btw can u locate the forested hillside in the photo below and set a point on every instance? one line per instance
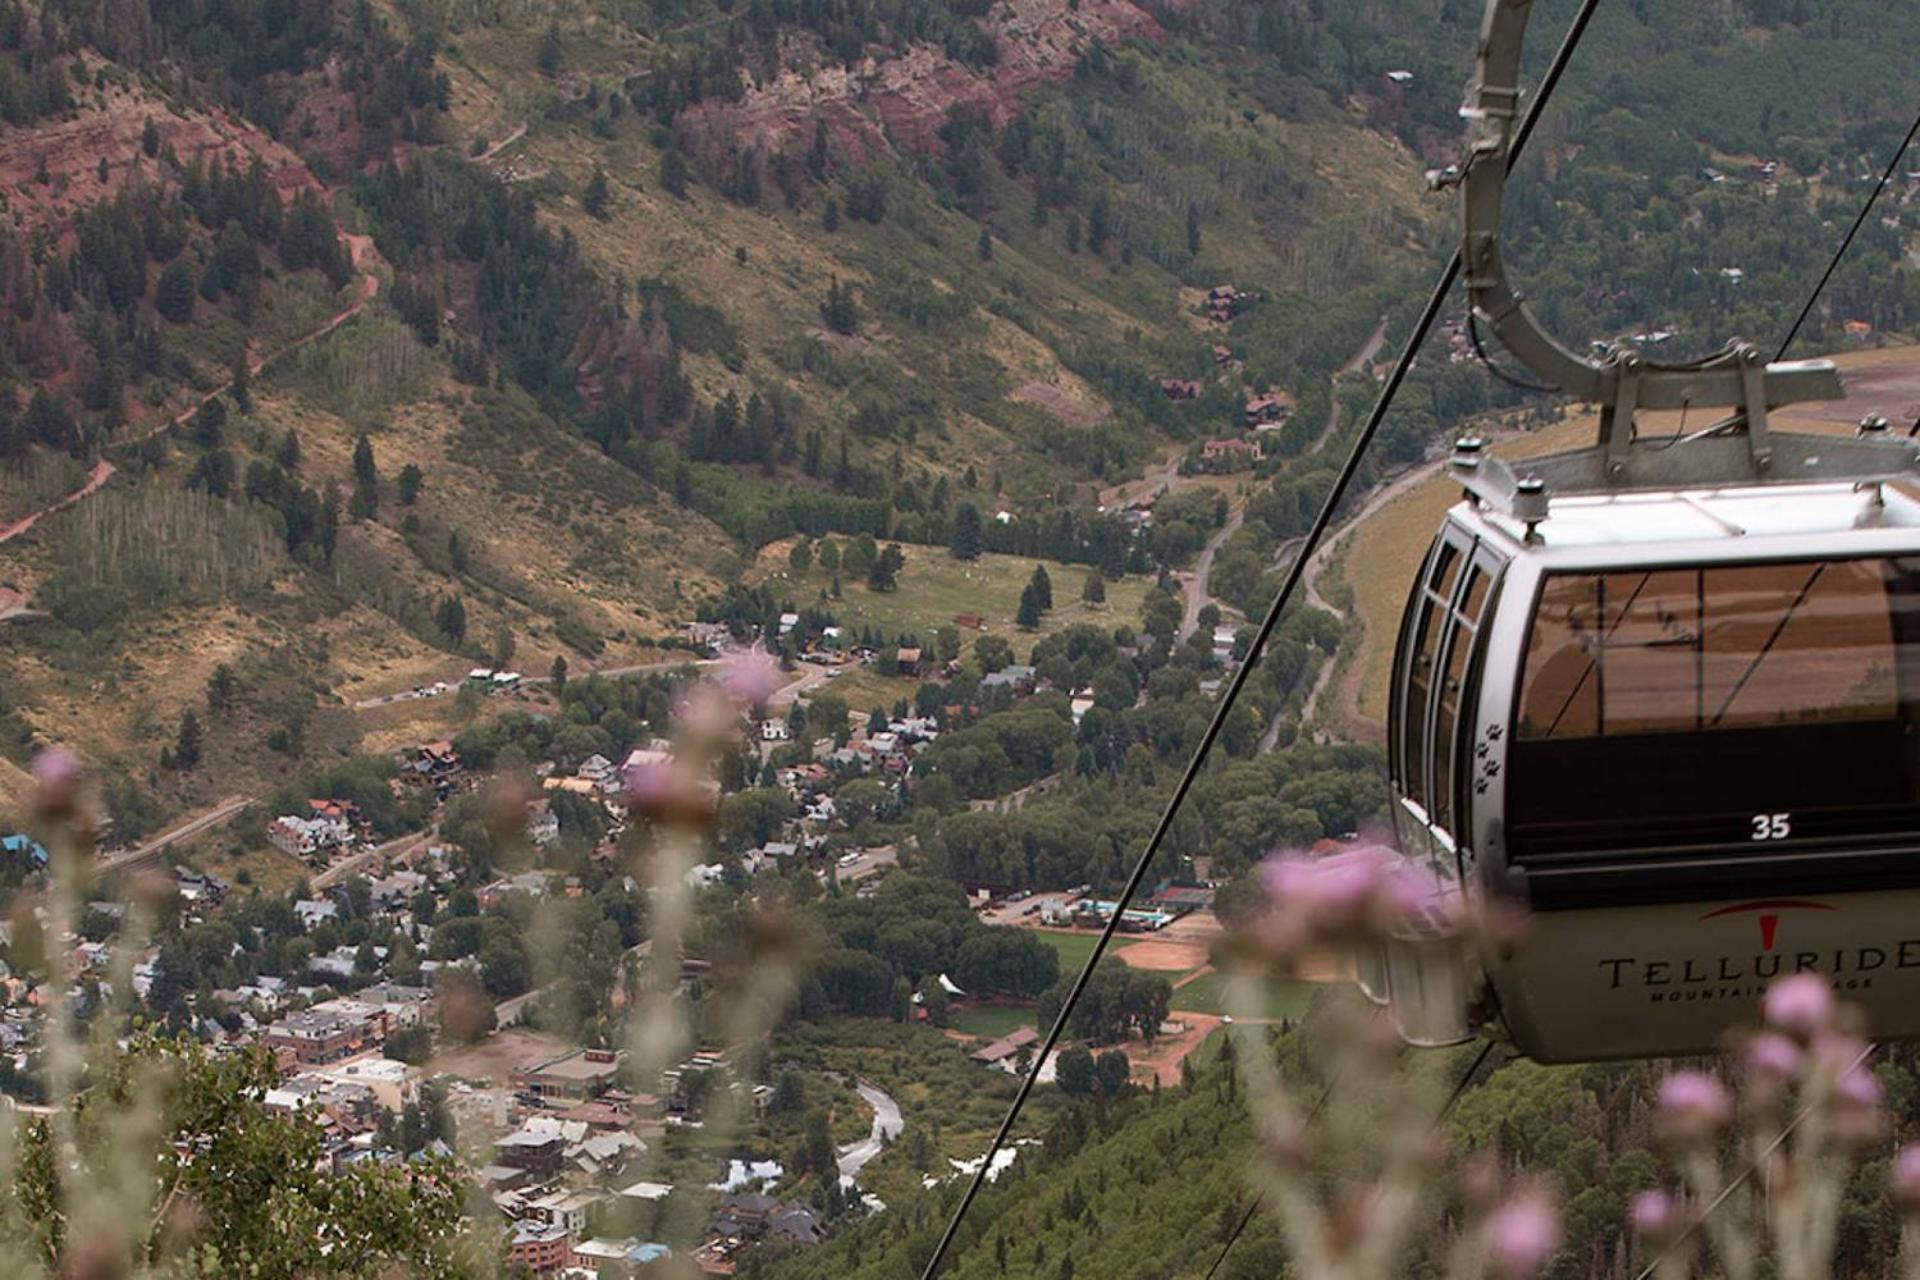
(393, 394)
(615, 299)
(1153, 1184)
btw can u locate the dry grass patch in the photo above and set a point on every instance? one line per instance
(934, 587)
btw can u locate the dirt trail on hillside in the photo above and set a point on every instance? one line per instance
(102, 471)
(361, 253)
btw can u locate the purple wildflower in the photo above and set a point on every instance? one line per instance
(1801, 1005)
(1694, 1105)
(1522, 1236)
(1905, 1178)
(1773, 1057)
(1651, 1214)
(751, 675)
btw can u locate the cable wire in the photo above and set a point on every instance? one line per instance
(1893, 163)
(1436, 301)
(1459, 1089)
(1480, 353)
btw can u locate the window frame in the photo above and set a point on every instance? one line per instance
(1432, 787)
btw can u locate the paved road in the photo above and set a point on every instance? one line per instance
(887, 1123)
(149, 852)
(868, 863)
(1198, 597)
(1310, 580)
(1359, 359)
(399, 849)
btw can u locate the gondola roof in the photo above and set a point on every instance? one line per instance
(1678, 522)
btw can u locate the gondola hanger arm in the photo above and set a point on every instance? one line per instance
(1724, 379)
(1621, 380)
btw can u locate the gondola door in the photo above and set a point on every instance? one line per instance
(1434, 680)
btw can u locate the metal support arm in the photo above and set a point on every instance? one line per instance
(1720, 380)
(1623, 382)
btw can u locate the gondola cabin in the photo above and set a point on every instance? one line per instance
(1679, 729)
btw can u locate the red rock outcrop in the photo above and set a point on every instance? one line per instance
(901, 100)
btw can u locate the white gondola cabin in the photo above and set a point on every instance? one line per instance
(1680, 730)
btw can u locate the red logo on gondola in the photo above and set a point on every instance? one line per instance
(1769, 913)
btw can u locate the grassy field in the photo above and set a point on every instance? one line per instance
(864, 688)
(1205, 994)
(934, 587)
(991, 1021)
(1074, 948)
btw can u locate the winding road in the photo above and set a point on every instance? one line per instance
(1310, 580)
(1197, 595)
(888, 1124)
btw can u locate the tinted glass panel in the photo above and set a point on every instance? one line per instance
(1431, 601)
(1677, 708)
(1676, 651)
(1446, 718)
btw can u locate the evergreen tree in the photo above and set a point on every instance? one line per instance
(673, 173)
(830, 216)
(451, 618)
(1042, 587)
(223, 688)
(410, 480)
(289, 454)
(551, 50)
(1099, 226)
(984, 245)
(1028, 615)
(800, 559)
(595, 198)
(558, 674)
(838, 309)
(240, 382)
(150, 138)
(187, 744)
(1095, 589)
(210, 424)
(885, 573)
(173, 296)
(818, 1146)
(966, 532)
(329, 523)
(366, 480)
(817, 153)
